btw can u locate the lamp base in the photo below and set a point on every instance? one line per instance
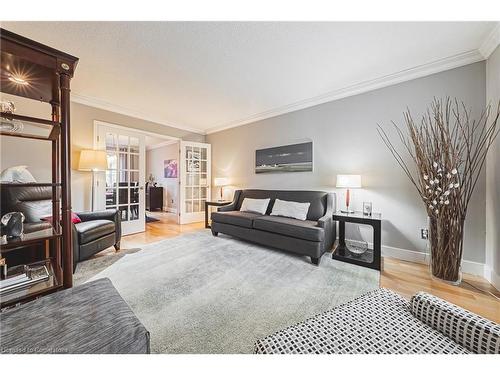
(347, 211)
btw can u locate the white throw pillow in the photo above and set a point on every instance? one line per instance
(255, 205)
(18, 174)
(295, 210)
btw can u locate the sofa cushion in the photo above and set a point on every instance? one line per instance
(303, 229)
(92, 230)
(239, 218)
(258, 206)
(295, 210)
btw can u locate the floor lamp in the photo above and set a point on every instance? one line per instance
(94, 161)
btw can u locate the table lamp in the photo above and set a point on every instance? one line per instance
(95, 161)
(348, 181)
(220, 181)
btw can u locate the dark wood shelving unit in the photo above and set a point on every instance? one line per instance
(52, 284)
(35, 71)
(30, 239)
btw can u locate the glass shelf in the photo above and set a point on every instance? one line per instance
(33, 290)
(47, 232)
(28, 127)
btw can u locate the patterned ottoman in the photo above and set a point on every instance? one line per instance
(381, 321)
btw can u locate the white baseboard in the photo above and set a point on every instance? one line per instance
(492, 276)
(408, 255)
(468, 266)
(170, 209)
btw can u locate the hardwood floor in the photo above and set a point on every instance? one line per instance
(405, 278)
(165, 227)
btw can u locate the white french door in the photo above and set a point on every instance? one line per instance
(122, 185)
(194, 190)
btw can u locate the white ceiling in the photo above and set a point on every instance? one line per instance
(206, 76)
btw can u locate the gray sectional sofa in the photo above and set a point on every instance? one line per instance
(310, 237)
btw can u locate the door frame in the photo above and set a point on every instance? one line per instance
(98, 123)
(183, 217)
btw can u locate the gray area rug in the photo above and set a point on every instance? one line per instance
(201, 294)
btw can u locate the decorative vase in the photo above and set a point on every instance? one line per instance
(12, 224)
(446, 236)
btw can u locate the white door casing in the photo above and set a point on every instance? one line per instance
(195, 180)
(122, 185)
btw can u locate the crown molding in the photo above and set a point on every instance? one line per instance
(161, 144)
(362, 87)
(487, 47)
(101, 104)
(491, 42)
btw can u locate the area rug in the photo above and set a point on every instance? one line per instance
(197, 293)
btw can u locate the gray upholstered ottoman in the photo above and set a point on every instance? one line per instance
(90, 318)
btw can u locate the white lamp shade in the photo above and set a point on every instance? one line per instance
(349, 181)
(93, 160)
(220, 181)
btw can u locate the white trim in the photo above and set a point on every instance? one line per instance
(492, 276)
(101, 104)
(172, 210)
(362, 87)
(473, 268)
(491, 42)
(468, 266)
(403, 254)
(128, 128)
(451, 62)
(161, 144)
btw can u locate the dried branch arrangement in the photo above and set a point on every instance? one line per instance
(448, 149)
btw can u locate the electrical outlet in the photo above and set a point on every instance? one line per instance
(424, 233)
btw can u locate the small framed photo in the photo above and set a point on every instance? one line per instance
(367, 208)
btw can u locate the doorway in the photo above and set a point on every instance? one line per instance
(195, 180)
(123, 185)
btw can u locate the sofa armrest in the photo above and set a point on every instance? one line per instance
(327, 223)
(325, 220)
(231, 206)
(475, 333)
(112, 215)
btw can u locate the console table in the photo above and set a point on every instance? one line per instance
(213, 203)
(372, 257)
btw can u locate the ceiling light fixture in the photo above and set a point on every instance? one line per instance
(18, 80)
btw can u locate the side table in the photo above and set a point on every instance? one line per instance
(372, 257)
(213, 203)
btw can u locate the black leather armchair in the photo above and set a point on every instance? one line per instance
(97, 231)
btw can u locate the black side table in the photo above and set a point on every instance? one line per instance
(213, 203)
(372, 257)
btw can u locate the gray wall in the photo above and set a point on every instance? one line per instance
(345, 141)
(493, 173)
(154, 165)
(36, 155)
